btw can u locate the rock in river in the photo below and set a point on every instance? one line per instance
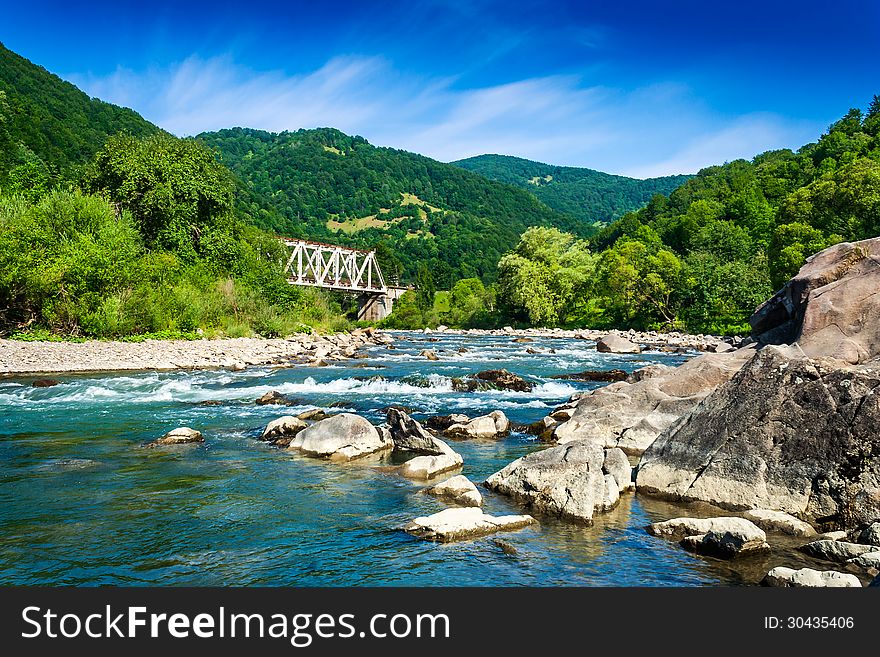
(567, 481)
(780, 522)
(723, 537)
(492, 380)
(411, 436)
(179, 436)
(463, 523)
(787, 433)
(836, 551)
(459, 489)
(494, 425)
(272, 397)
(342, 437)
(282, 430)
(428, 467)
(788, 577)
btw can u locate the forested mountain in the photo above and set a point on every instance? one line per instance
(48, 126)
(326, 185)
(705, 256)
(592, 196)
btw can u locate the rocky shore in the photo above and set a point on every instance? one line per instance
(233, 353)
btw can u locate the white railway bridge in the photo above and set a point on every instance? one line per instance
(343, 269)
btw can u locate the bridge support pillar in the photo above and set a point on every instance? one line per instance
(376, 307)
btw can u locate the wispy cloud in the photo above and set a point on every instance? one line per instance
(655, 130)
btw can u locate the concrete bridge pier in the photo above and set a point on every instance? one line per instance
(373, 307)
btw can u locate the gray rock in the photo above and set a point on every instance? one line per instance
(631, 414)
(615, 344)
(459, 489)
(680, 527)
(283, 429)
(807, 577)
(837, 551)
(428, 467)
(868, 561)
(179, 436)
(566, 481)
(617, 464)
(780, 522)
(463, 523)
(726, 544)
(787, 433)
(343, 437)
(494, 425)
(411, 436)
(870, 535)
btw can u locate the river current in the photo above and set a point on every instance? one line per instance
(82, 502)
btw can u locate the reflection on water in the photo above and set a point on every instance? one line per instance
(82, 503)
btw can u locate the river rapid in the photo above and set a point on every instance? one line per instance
(82, 502)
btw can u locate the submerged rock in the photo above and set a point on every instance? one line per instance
(807, 577)
(179, 436)
(836, 551)
(342, 437)
(459, 489)
(45, 383)
(463, 523)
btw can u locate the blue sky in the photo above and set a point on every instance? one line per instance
(637, 88)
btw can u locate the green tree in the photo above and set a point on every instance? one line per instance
(425, 288)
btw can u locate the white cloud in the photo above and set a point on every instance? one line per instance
(655, 130)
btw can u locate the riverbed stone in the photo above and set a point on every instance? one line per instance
(566, 481)
(179, 436)
(428, 467)
(615, 344)
(282, 430)
(807, 577)
(272, 397)
(727, 544)
(411, 436)
(493, 425)
(780, 522)
(492, 380)
(342, 437)
(459, 489)
(617, 465)
(681, 527)
(836, 551)
(869, 561)
(870, 535)
(464, 523)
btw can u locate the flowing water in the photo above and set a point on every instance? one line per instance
(82, 502)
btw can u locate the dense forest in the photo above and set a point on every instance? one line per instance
(110, 227)
(594, 197)
(325, 185)
(703, 257)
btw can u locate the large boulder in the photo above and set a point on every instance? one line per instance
(567, 481)
(463, 523)
(631, 414)
(787, 433)
(723, 537)
(494, 425)
(342, 437)
(837, 551)
(777, 521)
(831, 308)
(788, 577)
(615, 344)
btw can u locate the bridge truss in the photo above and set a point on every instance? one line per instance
(333, 267)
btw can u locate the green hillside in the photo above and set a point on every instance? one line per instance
(592, 196)
(49, 124)
(326, 185)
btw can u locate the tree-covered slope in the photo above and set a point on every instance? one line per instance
(323, 184)
(592, 196)
(47, 121)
